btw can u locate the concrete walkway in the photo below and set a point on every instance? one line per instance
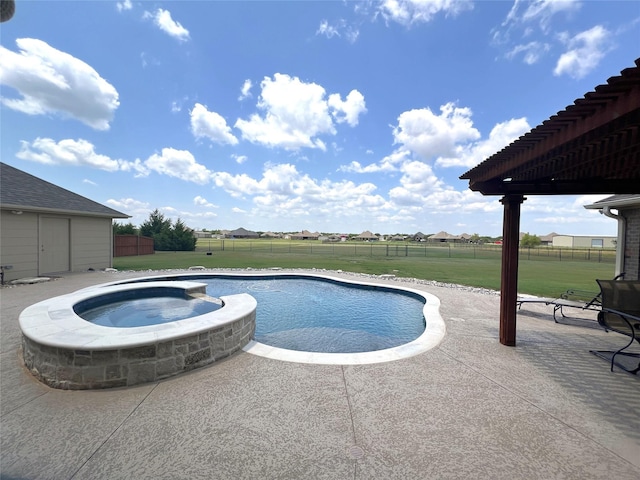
(470, 408)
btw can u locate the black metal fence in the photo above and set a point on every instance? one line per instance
(402, 249)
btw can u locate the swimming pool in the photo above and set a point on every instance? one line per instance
(321, 315)
(66, 351)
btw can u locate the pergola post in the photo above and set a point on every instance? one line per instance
(509, 275)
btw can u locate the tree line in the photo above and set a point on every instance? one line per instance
(167, 235)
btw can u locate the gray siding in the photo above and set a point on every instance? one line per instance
(90, 243)
(19, 244)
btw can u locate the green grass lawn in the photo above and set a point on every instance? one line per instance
(544, 278)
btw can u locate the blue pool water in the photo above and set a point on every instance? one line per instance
(140, 312)
(315, 315)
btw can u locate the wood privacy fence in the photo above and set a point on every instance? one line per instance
(127, 245)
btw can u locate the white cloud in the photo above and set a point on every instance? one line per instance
(129, 205)
(296, 113)
(162, 19)
(349, 110)
(531, 52)
(89, 182)
(410, 12)
(240, 159)
(543, 11)
(81, 153)
(585, 50)
(390, 163)
(71, 153)
(203, 202)
(339, 29)
(210, 125)
(245, 91)
(528, 19)
(501, 135)
(126, 5)
(430, 135)
(179, 164)
(52, 81)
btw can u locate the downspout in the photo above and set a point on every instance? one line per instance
(622, 235)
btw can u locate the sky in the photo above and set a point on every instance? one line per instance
(283, 116)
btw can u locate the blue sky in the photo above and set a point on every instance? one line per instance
(331, 116)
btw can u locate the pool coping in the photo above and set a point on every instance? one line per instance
(54, 323)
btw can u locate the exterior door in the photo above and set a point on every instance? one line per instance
(54, 245)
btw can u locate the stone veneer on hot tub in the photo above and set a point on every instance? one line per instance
(65, 351)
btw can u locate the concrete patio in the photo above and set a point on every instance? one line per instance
(469, 408)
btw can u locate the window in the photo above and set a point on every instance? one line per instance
(597, 243)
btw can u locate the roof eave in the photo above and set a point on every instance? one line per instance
(28, 208)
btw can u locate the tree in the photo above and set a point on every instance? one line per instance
(127, 229)
(182, 237)
(156, 225)
(167, 236)
(530, 240)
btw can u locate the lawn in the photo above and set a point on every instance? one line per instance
(536, 276)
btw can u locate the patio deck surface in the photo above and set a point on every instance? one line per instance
(469, 408)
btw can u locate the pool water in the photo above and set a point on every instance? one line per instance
(315, 315)
(145, 311)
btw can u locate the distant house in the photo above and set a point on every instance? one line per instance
(270, 235)
(242, 233)
(202, 234)
(305, 235)
(45, 229)
(367, 236)
(419, 237)
(444, 237)
(398, 238)
(625, 209)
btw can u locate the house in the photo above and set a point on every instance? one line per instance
(419, 237)
(270, 235)
(241, 233)
(202, 234)
(625, 209)
(367, 236)
(305, 235)
(45, 229)
(444, 237)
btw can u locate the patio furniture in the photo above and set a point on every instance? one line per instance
(620, 312)
(572, 297)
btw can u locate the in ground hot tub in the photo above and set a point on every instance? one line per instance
(64, 350)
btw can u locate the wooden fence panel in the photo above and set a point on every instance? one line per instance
(127, 245)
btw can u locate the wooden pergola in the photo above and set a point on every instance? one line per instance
(591, 147)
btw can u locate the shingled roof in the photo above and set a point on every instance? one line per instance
(22, 191)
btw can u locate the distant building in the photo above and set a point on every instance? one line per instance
(305, 235)
(201, 234)
(548, 239)
(271, 235)
(241, 233)
(367, 236)
(446, 237)
(419, 237)
(584, 241)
